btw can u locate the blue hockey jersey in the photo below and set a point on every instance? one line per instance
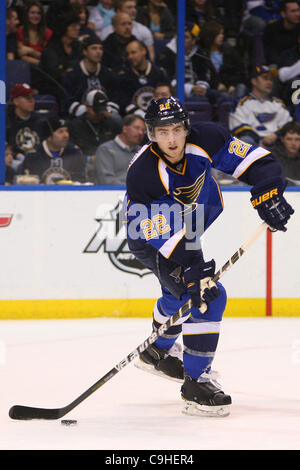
(170, 206)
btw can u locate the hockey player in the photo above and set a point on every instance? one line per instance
(171, 200)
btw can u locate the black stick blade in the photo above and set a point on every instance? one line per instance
(27, 412)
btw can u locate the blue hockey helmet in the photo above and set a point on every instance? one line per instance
(164, 112)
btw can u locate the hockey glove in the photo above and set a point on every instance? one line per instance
(268, 200)
(199, 283)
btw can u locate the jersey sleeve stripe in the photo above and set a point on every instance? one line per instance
(248, 160)
(169, 246)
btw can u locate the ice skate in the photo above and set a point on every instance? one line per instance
(204, 398)
(162, 362)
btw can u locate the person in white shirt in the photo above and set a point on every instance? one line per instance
(140, 31)
(257, 117)
(101, 15)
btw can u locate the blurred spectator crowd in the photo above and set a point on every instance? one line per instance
(80, 74)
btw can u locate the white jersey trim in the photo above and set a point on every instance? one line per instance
(162, 169)
(248, 160)
(195, 150)
(167, 248)
(138, 154)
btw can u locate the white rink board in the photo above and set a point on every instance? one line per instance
(286, 249)
(42, 250)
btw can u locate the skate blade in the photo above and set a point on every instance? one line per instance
(194, 409)
(151, 369)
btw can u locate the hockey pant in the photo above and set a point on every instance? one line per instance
(200, 332)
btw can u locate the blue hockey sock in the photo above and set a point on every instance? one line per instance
(164, 308)
(201, 335)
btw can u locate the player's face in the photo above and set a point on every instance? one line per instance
(171, 141)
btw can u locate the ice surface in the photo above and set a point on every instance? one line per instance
(49, 363)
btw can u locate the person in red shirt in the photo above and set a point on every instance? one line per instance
(33, 35)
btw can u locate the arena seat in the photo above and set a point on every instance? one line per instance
(46, 106)
(17, 71)
(199, 110)
(224, 108)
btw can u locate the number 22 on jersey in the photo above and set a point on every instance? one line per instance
(155, 227)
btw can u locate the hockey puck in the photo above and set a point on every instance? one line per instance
(69, 422)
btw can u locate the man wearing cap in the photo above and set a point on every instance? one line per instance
(88, 73)
(95, 127)
(257, 117)
(55, 159)
(23, 125)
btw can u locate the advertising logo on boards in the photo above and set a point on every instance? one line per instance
(111, 237)
(5, 220)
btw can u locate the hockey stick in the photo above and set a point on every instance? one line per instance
(27, 412)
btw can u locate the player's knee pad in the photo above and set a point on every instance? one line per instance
(167, 305)
(215, 309)
(164, 308)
